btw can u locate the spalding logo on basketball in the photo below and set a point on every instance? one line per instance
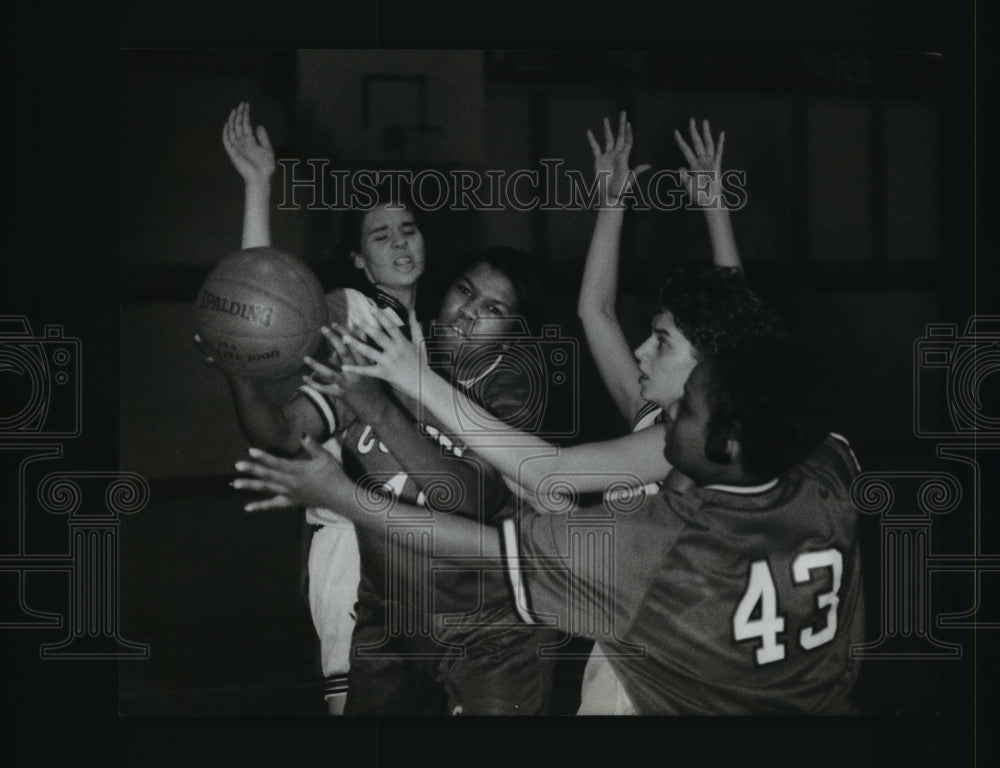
(259, 313)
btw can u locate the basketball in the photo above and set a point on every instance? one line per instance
(259, 312)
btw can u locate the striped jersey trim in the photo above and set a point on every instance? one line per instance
(745, 490)
(387, 301)
(325, 411)
(647, 415)
(847, 446)
(511, 559)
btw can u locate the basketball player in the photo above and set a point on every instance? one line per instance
(698, 312)
(681, 334)
(477, 658)
(735, 589)
(385, 247)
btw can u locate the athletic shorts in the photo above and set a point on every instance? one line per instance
(484, 663)
(334, 568)
(502, 670)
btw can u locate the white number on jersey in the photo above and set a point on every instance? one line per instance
(806, 562)
(761, 592)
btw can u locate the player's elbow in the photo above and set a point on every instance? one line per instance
(276, 441)
(595, 311)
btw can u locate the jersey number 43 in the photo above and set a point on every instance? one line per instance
(768, 624)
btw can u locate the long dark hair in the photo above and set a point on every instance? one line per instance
(341, 272)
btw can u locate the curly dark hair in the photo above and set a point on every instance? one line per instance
(715, 309)
(776, 398)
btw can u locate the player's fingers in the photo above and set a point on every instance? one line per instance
(628, 135)
(594, 146)
(238, 120)
(699, 148)
(709, 144)
(345, 354)
(260, 486)
(351, 357)
(255, 468)
(620, 141)
(641, 169)
(323, 370)
(609, 139)
(343, 334)
(359, 346)
(278, 481)
(718, 152)
(685, 149)
(372, 371)
(245, 128)
(269, 460)
(373, 335)
(265, 142)
(333, 340)
(326, 388)
(389, 327)
(280, 501)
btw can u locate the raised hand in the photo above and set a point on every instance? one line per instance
(702, 177)
(400, 362)
(317, 480)
(249, 150)
(611, 165)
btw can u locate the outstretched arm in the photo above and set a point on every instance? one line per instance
(478, 484)
(635, 459)
(318, 480)
(599, 288)
(265, 423)
(703, 181)
(251, 154)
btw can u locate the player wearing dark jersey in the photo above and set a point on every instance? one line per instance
(736, 589)
(744, 599)
(461, 632)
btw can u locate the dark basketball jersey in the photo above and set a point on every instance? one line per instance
(712, 600)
